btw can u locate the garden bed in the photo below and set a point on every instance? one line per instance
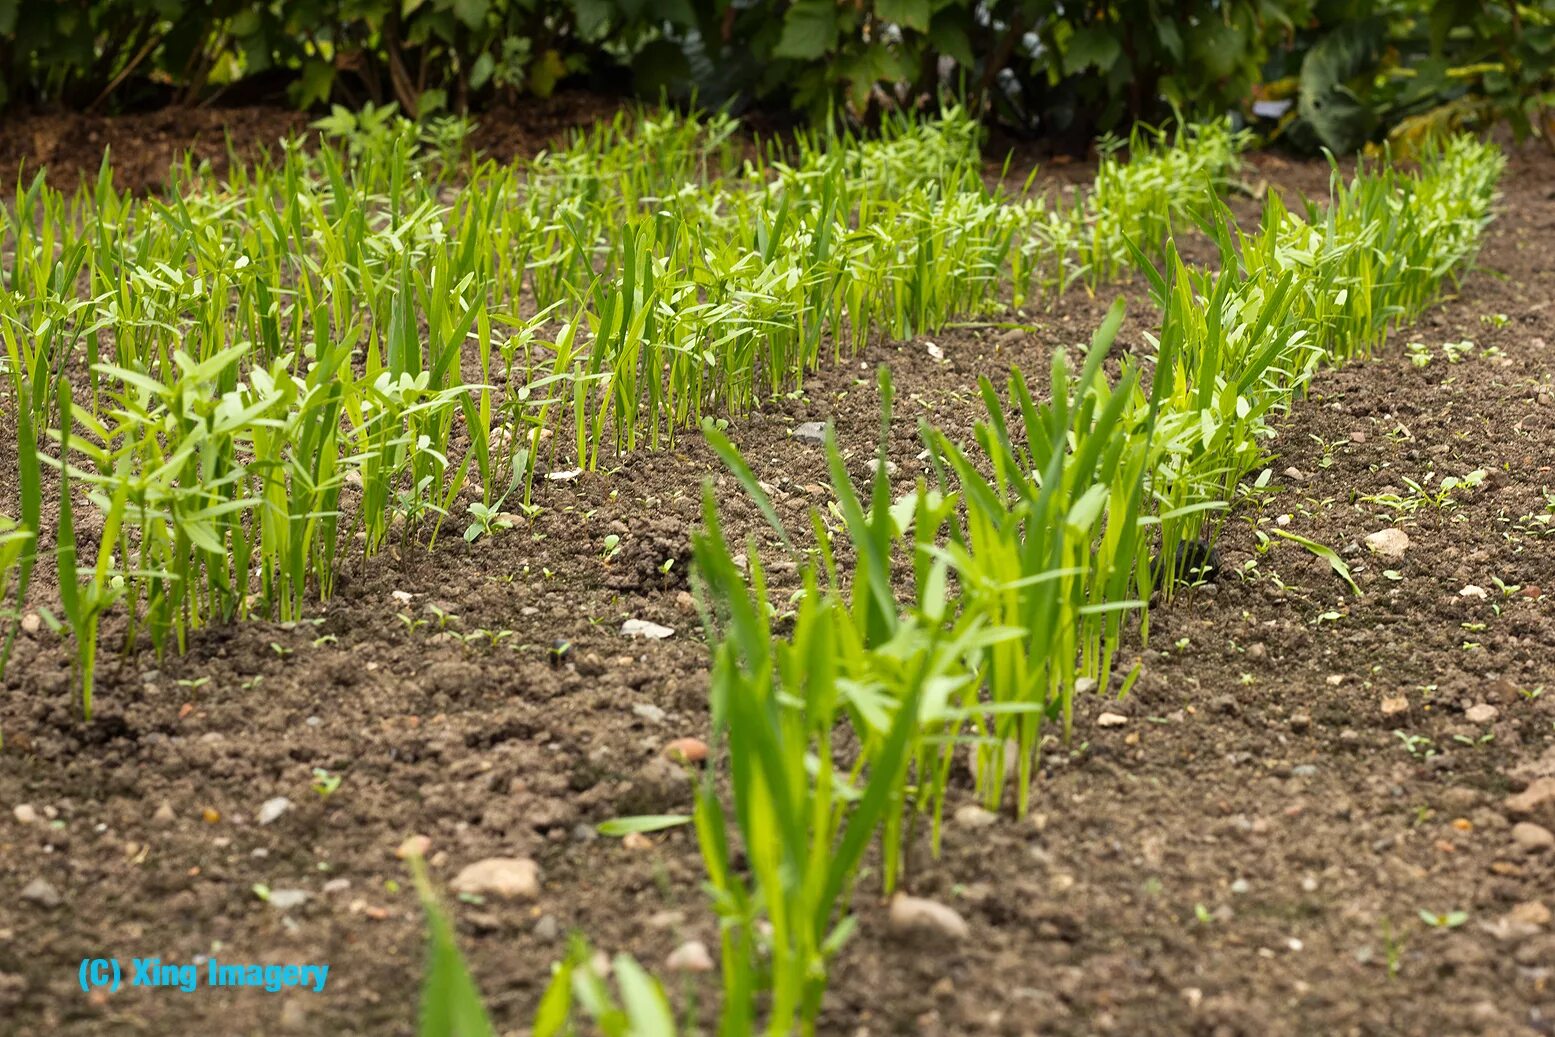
(1249, 852)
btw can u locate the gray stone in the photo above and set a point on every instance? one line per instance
(42, 893)
(810, 432)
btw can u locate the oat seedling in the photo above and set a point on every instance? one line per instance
(324, 783)
(1328, 446)
(484, 517)
(1327, 554)
(443, 617)
(1507, 590)
(1457, 351)
(1392, 949)
(491, 637)
(1418, 746)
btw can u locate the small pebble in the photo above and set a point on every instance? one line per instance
(643, 628)
(286, 899)
(649, 712)
(810, 432)
(413, 846)
(514, 878)
(1111, 720)
(1481, 713)
(686, 750)
(910, 914)
(1532, 838)
(691, 956)
(25, 814)
(42, 893)
(637, 842)
(272, 809)
(1388, 543)
(973, 816)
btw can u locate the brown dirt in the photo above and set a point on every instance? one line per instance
(144, 145)
(1231, 861)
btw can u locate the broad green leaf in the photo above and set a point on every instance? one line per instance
(809, 30)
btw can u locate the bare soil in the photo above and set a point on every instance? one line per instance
(1248, 855)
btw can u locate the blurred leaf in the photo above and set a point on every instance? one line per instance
(1092, 46)
(619, 826)
(471, 12)
(910, 14)
(949, 33)
(450, 1001)
(481, 71)
(545, 73)
(809, 30)
(1341, 120)
(660, 67)
(316, 83)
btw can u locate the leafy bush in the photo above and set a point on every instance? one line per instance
(1405, 69)
(1074, 69)
(1078, 67)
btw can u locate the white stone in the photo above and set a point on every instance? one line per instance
(643, 628)
(916, 915)
(691, 956)
(286, 899)
(1388, 543)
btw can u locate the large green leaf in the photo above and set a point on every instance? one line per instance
(909, 14)
(809, 30)
(1342, 120)
(1091, 47)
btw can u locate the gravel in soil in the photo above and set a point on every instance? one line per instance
(1248, 852)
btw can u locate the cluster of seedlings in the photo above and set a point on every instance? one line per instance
(245, 378)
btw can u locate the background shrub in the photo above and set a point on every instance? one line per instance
(1350, 71)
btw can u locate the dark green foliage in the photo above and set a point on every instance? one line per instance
(1405, 69)
(1357, 71)
(1074, 68)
